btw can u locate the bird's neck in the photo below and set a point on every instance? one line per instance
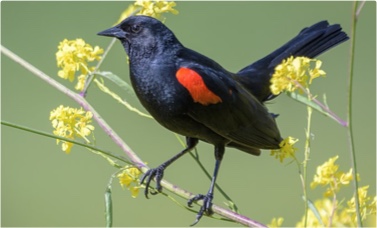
(160, 50)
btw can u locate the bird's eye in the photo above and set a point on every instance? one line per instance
(135, 28)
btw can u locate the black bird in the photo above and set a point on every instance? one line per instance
(192, 95)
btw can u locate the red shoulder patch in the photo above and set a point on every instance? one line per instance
(198, 90)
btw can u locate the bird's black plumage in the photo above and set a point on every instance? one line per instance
(310, 42)
(192, 95)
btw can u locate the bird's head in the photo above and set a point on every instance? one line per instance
(142, 36)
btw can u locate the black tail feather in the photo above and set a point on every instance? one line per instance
(310, 42)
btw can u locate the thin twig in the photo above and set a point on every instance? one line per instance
(360, 7)
(118, 140)
(305, 164)
(349, 114)
(324, 107)
(89, 81)
(90, 147)
(334, 204)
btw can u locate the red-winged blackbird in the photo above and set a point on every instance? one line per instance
(192, 95)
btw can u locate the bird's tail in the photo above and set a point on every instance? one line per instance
(310, 42)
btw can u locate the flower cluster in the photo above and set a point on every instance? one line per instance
(286, 149)
(293, 73)
(73, 56)
(328, 175)
(129, 178)
(149, 8)
(329, 216)
(331, 212)
(367, 204)
(71, 123)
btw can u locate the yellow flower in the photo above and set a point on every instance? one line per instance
(66, 146)
(155, 8)
(328, 175)
(71, 123)
(331, 212)
(324, 208)
(73, 56)
(345, 178)
(293, 72)
(131, 9)
(326, 172)
(316, 72)
(286, 149)
(367, 204)
(330, 215)
(80, 82)
(372, 205)
(149, 8)
(129, 178)
(276, 222)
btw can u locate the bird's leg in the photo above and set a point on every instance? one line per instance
(207, 199)
(158, 172)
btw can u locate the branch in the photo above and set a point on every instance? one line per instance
(118, 140)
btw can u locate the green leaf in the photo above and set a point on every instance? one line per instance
(315, 211)
(108, 206)
(305, 100)
(117, 80)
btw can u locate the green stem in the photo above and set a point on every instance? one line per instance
(16, 126)
(92, 75)
(108, 206)
(305, 164)
(349, 113)
(317, 104)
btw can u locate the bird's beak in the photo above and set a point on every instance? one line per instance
(113, 32)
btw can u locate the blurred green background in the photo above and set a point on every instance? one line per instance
(42, 186)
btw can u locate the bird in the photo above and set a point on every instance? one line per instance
(194, 96)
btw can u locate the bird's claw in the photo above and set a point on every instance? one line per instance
(206, 208)
(158, 173)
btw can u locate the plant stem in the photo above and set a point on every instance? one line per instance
(305, 164)
(91, 76)
(334, 206)
(118, 140)
(120, 158)
(106, 90)
(359, 8)
(349, 113)
(322, 106)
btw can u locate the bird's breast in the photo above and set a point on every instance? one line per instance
(159, 91)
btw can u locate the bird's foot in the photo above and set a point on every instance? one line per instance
(206, 208)
(158, 173)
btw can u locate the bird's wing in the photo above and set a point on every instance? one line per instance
(222, 105)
